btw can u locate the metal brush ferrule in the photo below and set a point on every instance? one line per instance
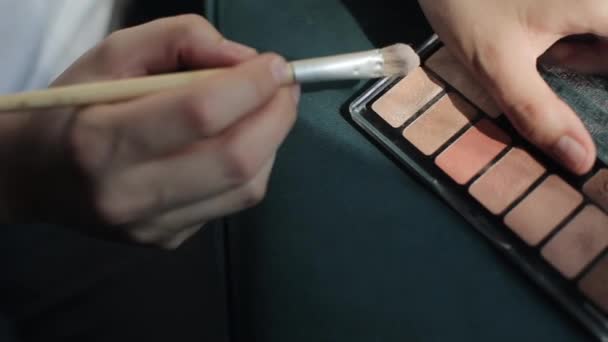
(351, 66)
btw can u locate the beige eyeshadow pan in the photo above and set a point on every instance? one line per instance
(579, 242)
(439, 123)
(407, 97)
(543, 209)
(444, 64)
(506, 180)
(474, 150)
(597, 188)
(594, 285)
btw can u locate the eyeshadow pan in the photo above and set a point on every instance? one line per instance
(579, 242)
(594, 284)
(474, 150)
(407, 97)
(543, 209)
(444, 64)
(506, 180)
(597, 188)
(439, 123)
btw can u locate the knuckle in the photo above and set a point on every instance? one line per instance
(192, 21)
(239, 163)
(199, 113)
(160, 199)
(254, 193)
(90, 143)
(189, 27)
(113, 207)
(120, 201)
(486, 61)
(255, 85)
(528, 119)
(107, 52)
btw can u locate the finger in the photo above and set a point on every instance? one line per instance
(182, 237)
(158, 229)
(163, 239)
(202, 170)
(151, 127)
(589, 57)
(536, 111)
(168, 44)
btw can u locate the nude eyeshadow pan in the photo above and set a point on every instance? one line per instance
(440, 122)
(593, 285)
(402, 102)
(543, 209)
(579, 242)
(507, 180)
(597, 188)
(443, 125)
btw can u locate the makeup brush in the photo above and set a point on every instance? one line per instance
(394, 60)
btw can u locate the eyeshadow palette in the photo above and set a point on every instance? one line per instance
(444, 128)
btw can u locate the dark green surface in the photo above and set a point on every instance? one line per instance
(348, 247)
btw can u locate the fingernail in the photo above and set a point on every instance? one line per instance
(280, 70)
(570, 152)
(238, 48)
(295, 92)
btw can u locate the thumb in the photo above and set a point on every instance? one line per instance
(537, 112)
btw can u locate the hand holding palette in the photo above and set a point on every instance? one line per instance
(443, 126)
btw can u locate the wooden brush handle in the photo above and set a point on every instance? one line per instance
(99, 92)
(394, 60)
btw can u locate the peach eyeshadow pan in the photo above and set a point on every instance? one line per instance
(441, 124)
(472, 151)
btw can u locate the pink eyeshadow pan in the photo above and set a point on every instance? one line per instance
(594, 284)
(473, 151)
(439, 123)
(407, 97)
(444, 64)
(579, 242)
(543, 209)
(597, 188)
(507, 180)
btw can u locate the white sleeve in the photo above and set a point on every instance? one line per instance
(41, 38)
